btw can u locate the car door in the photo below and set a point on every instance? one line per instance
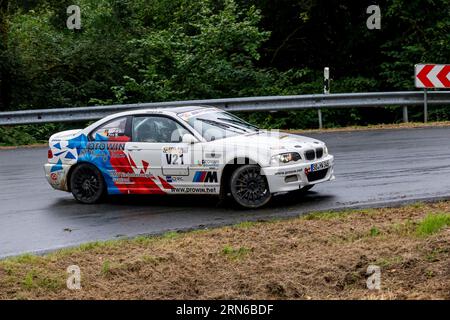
(160, 157)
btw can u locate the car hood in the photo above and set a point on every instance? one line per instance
(274, 141)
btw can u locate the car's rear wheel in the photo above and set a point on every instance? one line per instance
(249, 188)
(87, 184)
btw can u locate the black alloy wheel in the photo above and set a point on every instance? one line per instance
(249, 188)
(87, 184)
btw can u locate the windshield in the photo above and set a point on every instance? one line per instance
(214, 124)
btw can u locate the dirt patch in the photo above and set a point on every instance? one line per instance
(320, 256)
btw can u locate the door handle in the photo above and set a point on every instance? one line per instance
(134, 148)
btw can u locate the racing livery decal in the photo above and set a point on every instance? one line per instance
(118, 168)
(205, 176)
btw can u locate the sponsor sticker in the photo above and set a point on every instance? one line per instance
(115, 146)
(206, 177)
(210, 162)
(172, 179)
(194, 190)
(174, 150)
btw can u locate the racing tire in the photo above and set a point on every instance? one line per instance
(87, 184)
(249, 188)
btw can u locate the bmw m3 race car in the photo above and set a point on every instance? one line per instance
(184, 150)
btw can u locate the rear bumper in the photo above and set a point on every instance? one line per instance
(56, 175)
(293, 177)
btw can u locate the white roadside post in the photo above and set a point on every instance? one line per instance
(326, 90)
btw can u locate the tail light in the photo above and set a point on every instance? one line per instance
(50, 154)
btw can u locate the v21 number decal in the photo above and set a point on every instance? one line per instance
(174, 156)
(174, 159)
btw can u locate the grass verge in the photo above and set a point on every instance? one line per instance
(433, 223)
(318, 256)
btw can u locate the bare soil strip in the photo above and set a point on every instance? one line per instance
(319, 256)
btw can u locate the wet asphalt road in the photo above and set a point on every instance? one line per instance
(373, 169)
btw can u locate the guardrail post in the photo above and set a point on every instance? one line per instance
(405, 114)
(319, 114)
(425, 106)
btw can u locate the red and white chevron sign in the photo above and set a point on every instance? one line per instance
(432, 76)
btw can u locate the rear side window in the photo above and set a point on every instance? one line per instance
(113, 130)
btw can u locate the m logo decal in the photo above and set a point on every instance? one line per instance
(206, 176)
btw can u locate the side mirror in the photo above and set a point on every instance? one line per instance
(189, 139)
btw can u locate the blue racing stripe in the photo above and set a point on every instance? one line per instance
(197, 176)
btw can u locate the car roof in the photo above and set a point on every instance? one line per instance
(185, 109)
(169, 110)
(174, 110)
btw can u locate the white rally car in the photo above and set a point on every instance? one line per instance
(184, 150)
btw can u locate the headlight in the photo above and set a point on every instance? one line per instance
(325, 150)
(284, 158)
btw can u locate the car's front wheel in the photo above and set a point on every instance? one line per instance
(87, 184)
(249, 188)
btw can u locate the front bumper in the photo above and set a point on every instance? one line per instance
(293, 177)
(56, 175)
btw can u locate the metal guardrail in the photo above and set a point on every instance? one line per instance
(250, 104)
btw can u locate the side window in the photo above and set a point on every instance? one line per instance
(157, 129)
(113, 130)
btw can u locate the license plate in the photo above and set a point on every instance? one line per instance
(320, 166)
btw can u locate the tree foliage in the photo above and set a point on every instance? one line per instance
(146, 50)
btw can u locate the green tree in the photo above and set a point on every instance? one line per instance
(197, 50)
